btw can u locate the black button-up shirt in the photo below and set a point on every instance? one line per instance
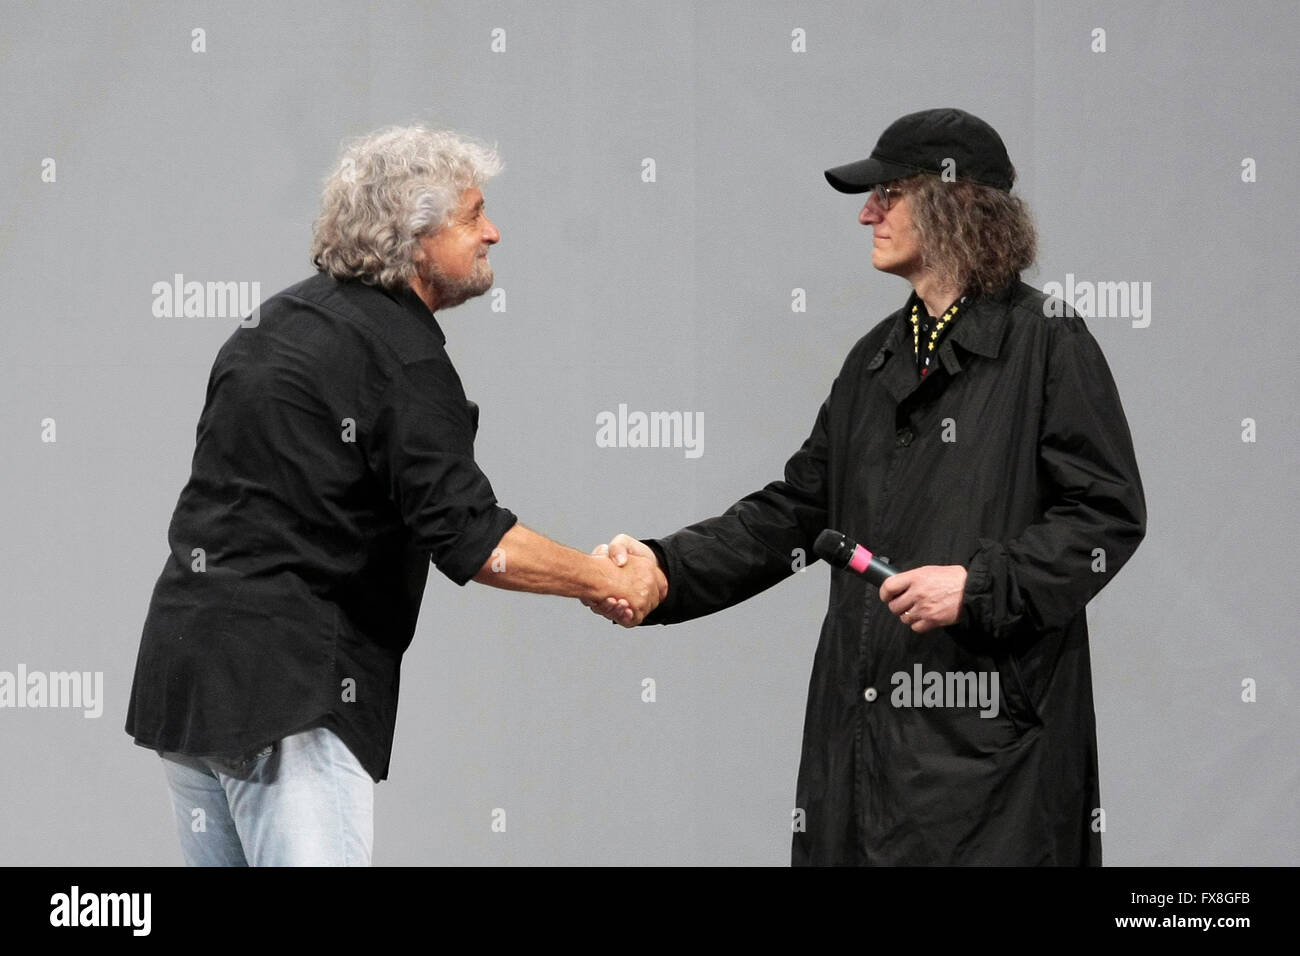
(926, 324)
(334, 459)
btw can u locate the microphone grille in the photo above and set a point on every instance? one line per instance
(827, 544)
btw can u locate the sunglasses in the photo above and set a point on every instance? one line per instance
(885, 193)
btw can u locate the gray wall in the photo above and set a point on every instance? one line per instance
(672, 295)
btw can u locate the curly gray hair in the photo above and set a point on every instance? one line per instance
(387, 189)
(974, 238)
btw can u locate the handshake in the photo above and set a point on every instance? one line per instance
(620, 581)
(637, 584)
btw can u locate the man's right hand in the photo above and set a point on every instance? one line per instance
(631, 585)
(625, 551)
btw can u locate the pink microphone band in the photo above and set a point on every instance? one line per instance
(861, 558)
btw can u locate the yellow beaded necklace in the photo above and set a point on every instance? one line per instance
(934, 333)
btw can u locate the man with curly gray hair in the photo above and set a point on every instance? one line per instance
(386, 201)
(334, 460)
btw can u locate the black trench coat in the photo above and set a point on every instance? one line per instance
(1012, 459)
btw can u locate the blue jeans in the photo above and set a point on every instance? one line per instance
(301, 801)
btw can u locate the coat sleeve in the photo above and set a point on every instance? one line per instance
(755, 543)
(1095, 514)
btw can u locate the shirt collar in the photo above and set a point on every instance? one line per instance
(979, 329)
(406, 297)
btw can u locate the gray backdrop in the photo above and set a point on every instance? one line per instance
(676, 294)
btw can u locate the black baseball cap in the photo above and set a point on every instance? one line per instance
(920, 143)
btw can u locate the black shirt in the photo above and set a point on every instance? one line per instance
(334, 459)
(926, 325)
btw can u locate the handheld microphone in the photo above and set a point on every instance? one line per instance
(840, 551)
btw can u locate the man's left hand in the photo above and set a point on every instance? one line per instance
(926, 598)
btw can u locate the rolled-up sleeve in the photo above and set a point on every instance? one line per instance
(420, 445)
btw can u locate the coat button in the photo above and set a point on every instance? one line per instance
(869, 694)
(905, 436)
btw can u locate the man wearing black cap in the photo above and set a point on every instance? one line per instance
(982, 446)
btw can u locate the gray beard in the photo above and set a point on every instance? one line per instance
(449, 292)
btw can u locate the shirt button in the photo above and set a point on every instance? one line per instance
(869, 694)
(905, 436)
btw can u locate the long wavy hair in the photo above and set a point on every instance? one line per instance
(387, 189)
(974, 238)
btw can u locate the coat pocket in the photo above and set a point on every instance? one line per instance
(1013, 697)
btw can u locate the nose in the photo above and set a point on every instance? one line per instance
(491, 235)
(871, 213)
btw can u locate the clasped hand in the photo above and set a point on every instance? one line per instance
(637, 586)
